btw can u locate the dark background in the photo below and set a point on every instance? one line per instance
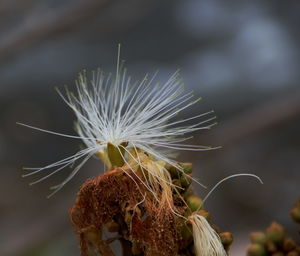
(241, 57)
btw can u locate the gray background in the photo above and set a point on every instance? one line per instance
(241, 57)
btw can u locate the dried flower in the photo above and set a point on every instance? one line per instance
(129, 123)
(131, 127)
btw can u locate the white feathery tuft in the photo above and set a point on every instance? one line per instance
(141, 114)
(206, 240)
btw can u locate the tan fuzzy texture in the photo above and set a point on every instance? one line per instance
(120, 196)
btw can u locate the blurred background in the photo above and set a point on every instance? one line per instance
(241, 57)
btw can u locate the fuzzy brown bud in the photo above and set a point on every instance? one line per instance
(226, 238)
(289, 244)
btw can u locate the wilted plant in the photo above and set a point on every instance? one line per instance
(145, 194)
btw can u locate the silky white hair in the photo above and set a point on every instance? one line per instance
(206, 240)
(115, 110)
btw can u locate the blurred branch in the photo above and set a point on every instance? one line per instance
(258, 120)
(7, 7)
(41, 26)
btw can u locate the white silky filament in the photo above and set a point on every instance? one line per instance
(115, 110)
(206, 240)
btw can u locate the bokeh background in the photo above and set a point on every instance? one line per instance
(241, 56)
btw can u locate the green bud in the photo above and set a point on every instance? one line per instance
(174, 172)
(177, 182)
(226, 238)
(295, 213)
(186, 181)
(188, 193)
(194, 202)
(258, 237)
(187, 167)
(256, 250)
(275, 233)
(115, 154)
